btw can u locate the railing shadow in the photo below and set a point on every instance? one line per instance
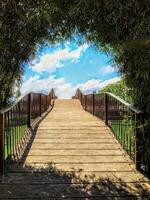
(33, 130)
(26, 142)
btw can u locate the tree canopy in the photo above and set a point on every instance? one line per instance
(23, 25)
(119, 89)
(120, 28)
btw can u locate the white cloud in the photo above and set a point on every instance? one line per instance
(90, 86)
(35, 84)
(109, 81)
(63, 89)
(95, 85)
(50, 62)
(108, 69)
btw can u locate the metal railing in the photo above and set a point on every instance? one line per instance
(123, 119)
(15, 119)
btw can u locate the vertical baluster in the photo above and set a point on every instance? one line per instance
(15, 127)
(124, 132)
(106, 108)
(122, 129)
(128, 135)
(36, 107)
(50, 98)
(19, 122)
(40, 105)
(132, 137)
(5, 138)
(137, 144)
(29, 111)
(85, 102)
(13, 130)
(93, 103)
(45, 102)
(120, 118)
(9, 132)
(118, 104)
(2, 143)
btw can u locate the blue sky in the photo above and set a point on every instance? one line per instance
(66, 67)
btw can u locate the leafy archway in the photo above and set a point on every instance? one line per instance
(120, 28)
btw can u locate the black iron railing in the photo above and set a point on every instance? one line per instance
(15, 119)
(123, 119)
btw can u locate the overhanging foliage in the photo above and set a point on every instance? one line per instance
(118, 27)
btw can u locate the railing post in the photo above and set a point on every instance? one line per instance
(93, 103)
(29, 111)
(78, 94)
(46, 103)
(106, 109)
(53, 94)
(40, 105)
(85, 102)
(47, 100)
(137, 145)
(2, 122)
(137, 153)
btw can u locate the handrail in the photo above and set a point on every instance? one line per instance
(116, 97)
(124, 120)
(16, 118)
(3, 110)
(124, 102)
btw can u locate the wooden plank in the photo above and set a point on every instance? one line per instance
(72, 136)
(58, 145)
(76, 152)
(73, 132)
(77, 159)
(74, 140)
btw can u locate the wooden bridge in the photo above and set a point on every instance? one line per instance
(68, 153)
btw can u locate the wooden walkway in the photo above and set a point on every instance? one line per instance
(73, 155)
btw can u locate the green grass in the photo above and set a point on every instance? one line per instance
(125, 133)
(13, 135)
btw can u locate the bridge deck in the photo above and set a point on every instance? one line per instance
(74, 155)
